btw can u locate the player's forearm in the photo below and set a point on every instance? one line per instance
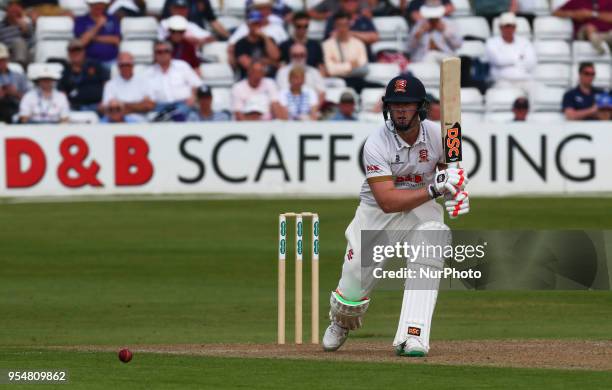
(396, 200)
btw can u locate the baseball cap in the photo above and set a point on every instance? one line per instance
(521, 104)
(4, 53)
(507, 18)
(180, 3)
(347, 97)
(432, 12)
(177, 23)
(204, 91)
(255, 16)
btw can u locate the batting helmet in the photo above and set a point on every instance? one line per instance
(405, 89)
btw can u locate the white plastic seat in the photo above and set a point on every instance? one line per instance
(316, 29)
(499, 117)
(16, 67)
(554, 4)
(155, 7)
(229, 22)
(462, 8)
(234, 8)
(295, 5)
(395, 45)
(77, 7)
(370, 117)
(584, 51)
(46, 50)
(522, 27)
(144, 27)
(216, 6)
(370, 98)
(334, 82)
(54, 27)
(471, 100)
(471, 119)
(222, 99)
(473, 49)
(391, 27)
(547, 99)
(555, 75)
(546, 117)
(382, 73)
(602, 75)
(541, 7)
(473, 26)
(552, 27)
(215, 52)
(501, 99)
(89, 117)
(553, 51)
(427, 72)
(141, 50)
(217, 74)
(333, 94)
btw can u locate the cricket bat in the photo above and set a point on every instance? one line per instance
(450, 106)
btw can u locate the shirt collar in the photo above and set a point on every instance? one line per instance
(400, 143)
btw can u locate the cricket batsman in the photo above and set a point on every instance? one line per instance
(405, 174)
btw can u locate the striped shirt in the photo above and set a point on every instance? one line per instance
(8, 32)
(299, 106)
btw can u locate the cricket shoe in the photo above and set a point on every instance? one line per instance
(334, 337)
(411, 348)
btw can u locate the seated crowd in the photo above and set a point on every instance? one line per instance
(280, 72)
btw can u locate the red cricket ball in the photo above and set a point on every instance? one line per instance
(125, 355)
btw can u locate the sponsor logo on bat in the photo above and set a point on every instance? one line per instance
(453, 143)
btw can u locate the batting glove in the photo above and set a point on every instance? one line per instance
(457, 204)
(450, 180)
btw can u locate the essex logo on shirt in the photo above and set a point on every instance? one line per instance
(372, 168)
(423, 155)
(400, 85)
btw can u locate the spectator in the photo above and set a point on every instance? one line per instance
(433, 108)
(520, 108)
(491, 9)
(281, 11)
(271, 25)
(433, 37)
(592, 21)
(344, 55)
(196, 11)
(204, 111)
(44, 103)
(361, 27)
(36, 8)
(193, 32)
(412, 8)
(326, 9)
(300, 101)
(12, 87)
(301, 21)
(256, 94)
(130, 8)
(512, 58)
(314, 80)
(99, 32)
(114, 112)
(256, 46)
(346, 108)
(16, 33)
(129, 89)
(182, 48)
(173, 84)
(580, 103)
(82, 79)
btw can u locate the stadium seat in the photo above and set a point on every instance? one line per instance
(553, 51)
(522, 27)
(541, 7)
(602, 75)
(215, 52)
(217, 75)
(295, 5)
(57, 68)
(428, 73)
(462, 8)
(141, 50)
(217, 6)
(554, 4)
(554, 75)
(234, 8)
(435, 92)
(370, 98)
(46, 50)
(370, 117)
(547, 99)
(15, 67)
(396, 46)
(54, 27)
(501, 99)
(88, 117)
(77, 7)
(139, 28)
(499, 117)
(545, 117)
(333, 94)
(471, 118)
(222, 99)
(473, 27)
(334, 82)
(382, 73)
(155, 7)
(471, 100)
(316, 29)
(391, 27)
(551, 27)
(229, 22)
(584, 51)
(473, 49)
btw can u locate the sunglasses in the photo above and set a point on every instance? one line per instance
(298, 55)
(162, 51)
(590, 74)
(125, 65)
(75, 49)
(114, 109)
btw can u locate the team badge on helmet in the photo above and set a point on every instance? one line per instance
(400, 85)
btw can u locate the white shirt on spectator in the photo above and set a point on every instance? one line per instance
(443, 42)
(276, 31)
(265, 93)
(511, 61)
(313, 78)
(193, 31)
(44, 110)
(299, 106)
(175, 84)
(133, 90)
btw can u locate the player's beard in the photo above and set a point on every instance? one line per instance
(405, 123)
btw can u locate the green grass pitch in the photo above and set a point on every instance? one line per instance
(204, 271)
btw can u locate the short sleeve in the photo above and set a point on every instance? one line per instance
(374, 160)
(193, 79)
